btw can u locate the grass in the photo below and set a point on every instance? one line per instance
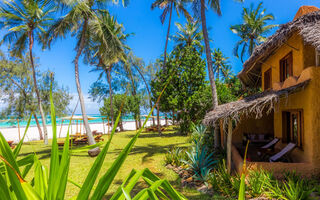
(148, 152)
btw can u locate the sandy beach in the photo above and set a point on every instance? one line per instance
(33, 134)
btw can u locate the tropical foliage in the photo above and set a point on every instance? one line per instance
(252, 31)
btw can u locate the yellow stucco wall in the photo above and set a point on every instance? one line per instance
(303, 56)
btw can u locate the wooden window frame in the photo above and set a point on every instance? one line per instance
(269, 71)
(285, 126)
(283, 72)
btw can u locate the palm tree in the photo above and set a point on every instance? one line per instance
(167, 6)
(220, 64)
(252, 31)
(81, 22)
(188, 35)
(106, 48)
(25, 21)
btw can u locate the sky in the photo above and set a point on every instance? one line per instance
(149, 38)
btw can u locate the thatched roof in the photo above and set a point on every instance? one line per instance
(255, 105)
(308, 26)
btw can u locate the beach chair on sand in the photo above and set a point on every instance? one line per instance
(283, 155)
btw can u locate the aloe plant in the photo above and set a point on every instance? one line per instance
(51, 183)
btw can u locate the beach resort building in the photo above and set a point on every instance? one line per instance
(287, 112)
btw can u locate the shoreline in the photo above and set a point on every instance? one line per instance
(12, 133)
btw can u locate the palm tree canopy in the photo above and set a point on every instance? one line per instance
(221, 65)
(178, 5)
(23, 17)
(188, 35)
(107, 41)
(253, 30)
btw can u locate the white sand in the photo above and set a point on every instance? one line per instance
(33, 134)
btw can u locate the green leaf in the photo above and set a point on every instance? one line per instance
(16, 151)
(96, 167)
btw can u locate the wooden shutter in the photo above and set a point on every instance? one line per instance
(267, 79)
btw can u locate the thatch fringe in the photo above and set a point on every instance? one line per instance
(257, 105)
(308, 26)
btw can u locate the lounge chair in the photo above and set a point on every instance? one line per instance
(283, 154)
(98, 138)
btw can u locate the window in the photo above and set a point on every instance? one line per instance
(286, 67)
(267, 79)
(293, 127)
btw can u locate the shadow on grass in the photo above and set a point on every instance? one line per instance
(150, 150)
(156, 134)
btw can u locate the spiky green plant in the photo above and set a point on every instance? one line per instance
(51, 184)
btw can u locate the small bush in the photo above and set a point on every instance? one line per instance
(293, 187)
(257, 182)
(175, 156)
(223, 182)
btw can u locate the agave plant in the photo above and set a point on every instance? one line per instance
(51, 183)
(199, 161)
(198, 131)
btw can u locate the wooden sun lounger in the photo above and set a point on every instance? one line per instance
(283, 154)
(98, 138)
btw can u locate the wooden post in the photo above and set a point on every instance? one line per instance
(229, 145)
(104, 132)
(19, 129)
(60, 128)
(108, 126)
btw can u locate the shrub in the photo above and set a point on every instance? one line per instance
(223, 182)
(175, 156)
(257, 182)
(198, 132)
(293, 187)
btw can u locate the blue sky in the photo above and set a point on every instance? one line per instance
(149, 39)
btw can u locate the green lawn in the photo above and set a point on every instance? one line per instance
(148, 152)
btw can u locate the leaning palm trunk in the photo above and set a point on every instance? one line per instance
(167, 38)
(37, 90)
(110, 95)
(149, 93)
(210, 69)
(38, 125)
(76, 69)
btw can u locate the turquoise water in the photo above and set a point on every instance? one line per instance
(13, 123)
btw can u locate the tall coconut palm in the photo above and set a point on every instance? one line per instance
(188, 34)
(167, 6)
(79, 21)
(25, 21)
(106, 48)
(220, 63)
(252, 31)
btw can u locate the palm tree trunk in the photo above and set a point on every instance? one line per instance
(167, 38)
(210, 69)
(149, 93)
(36, 88)
(158, 118)
(110, 95)
(76, 70)
(38, 125)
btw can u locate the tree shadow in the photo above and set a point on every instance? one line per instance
(151, 150)
(156, 134)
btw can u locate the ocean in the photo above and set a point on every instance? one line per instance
(12, 123)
